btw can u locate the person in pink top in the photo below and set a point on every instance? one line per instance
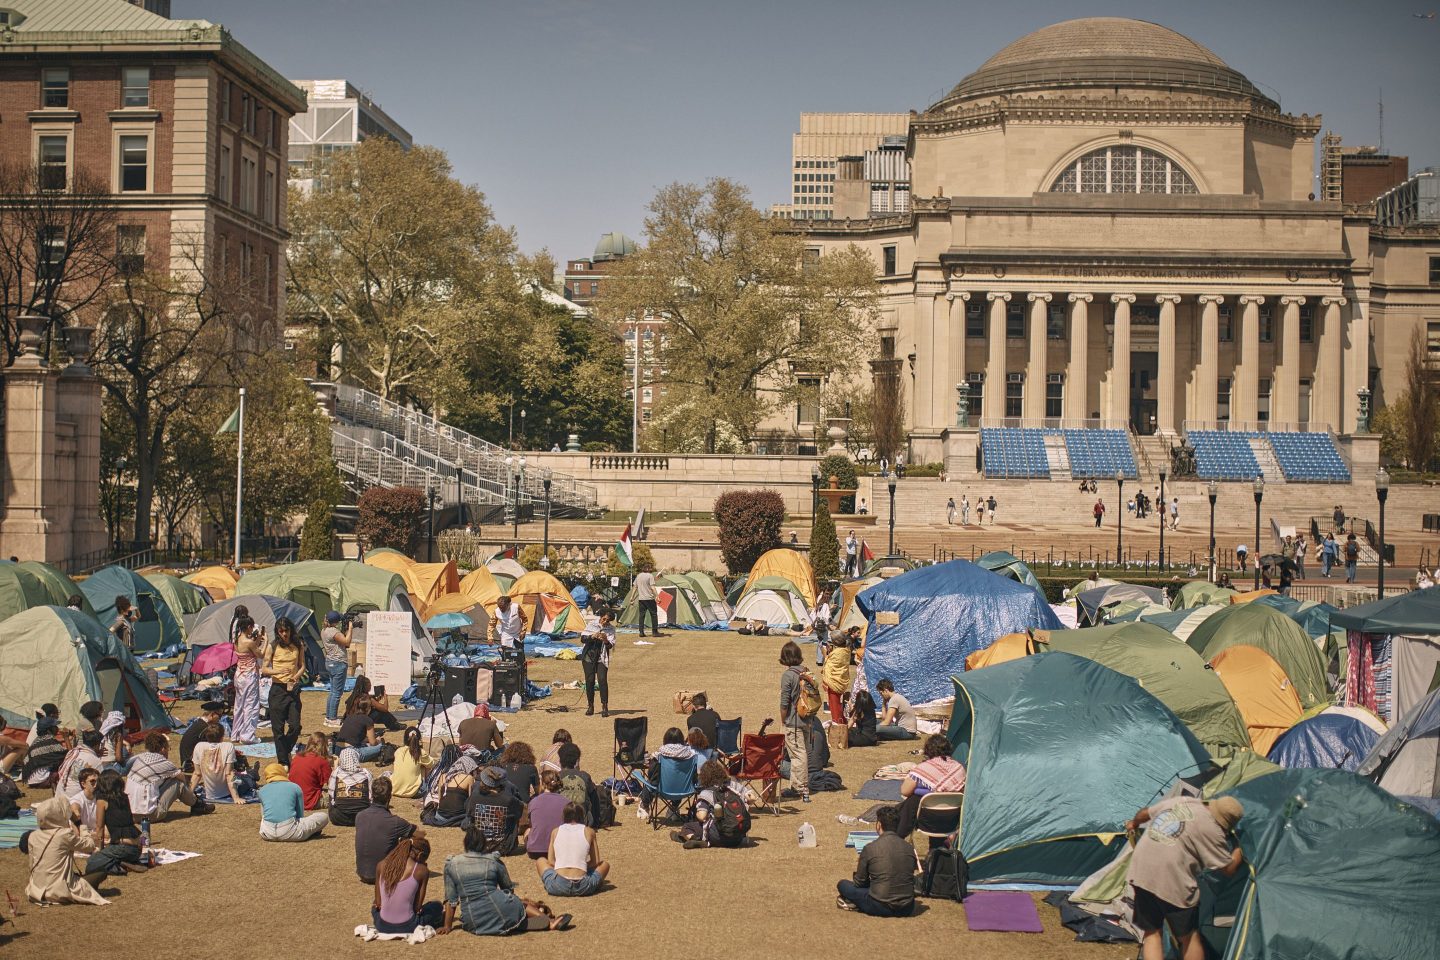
(938, 773)
(399, 905)
(249, 646)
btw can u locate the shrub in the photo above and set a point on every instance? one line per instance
(750, 523)
(390, 517)
(530, 558)
(317, 535)
(842, 469)
(824, 546)
(644, 560)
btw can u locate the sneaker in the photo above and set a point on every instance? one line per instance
(844, 904)
(805, 798)
(200, 809)
(695, 844)
(677, 836)
(333, 724)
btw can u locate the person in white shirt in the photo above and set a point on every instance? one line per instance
(820, 623)
(645, 594)
(572, 866)
(507, 627)
(153, 783)
(214, 762)
(964, 510)
(852, 554)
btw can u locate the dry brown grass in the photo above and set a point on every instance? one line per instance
(245, 898)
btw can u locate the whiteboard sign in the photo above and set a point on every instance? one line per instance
(387, 649)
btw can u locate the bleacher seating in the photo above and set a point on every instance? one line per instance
(1309, 457)
(1099, 453)
(1224, 455)
(1014, 452)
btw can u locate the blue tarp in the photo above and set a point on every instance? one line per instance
(1327, 741)
(580, 595)
(923, 624)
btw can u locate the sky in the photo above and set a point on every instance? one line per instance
(570, 115)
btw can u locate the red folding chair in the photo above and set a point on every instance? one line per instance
(760, 756)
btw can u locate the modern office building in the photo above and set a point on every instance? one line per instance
(816, 150)
(338, 117)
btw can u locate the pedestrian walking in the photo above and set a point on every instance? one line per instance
(852, 555)
(1300, 547)
(820, 623)
(964, 510)
(1352, 557)
(1241, 552)
(950, 511)
(1174, 513)
(1099, 511)
(1329, 553)
(980, 510)
(990, 505)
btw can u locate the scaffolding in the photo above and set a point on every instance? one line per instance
(1332, 179)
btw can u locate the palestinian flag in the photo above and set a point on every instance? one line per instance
(509, 553)
(552, 615)
(623, 550)
(866, 554)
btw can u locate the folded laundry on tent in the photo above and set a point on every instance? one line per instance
(1005, 911)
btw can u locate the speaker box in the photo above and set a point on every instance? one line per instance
(461, 680)
(507, 681)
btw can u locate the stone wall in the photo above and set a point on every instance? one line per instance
(680, 482)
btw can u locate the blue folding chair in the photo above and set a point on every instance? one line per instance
(673, 794)
(727, 736)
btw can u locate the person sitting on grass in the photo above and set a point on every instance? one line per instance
(480, 731)
(282, 809)
(84, 803)
(210, 712)
(708, 829)
(154, 783)
(884, 884)
(481, 896)
(47, 752)
(545, 812)
(863, 720)
(452, 794)
(518, 759)
(938, 773)
(576, 783)
(117, 837)
(551, 760)
(85, 755)
(310, 769)
(411, 765)
(572, 866)
(377, 831)
(357, 730)
(898, 720)
(349, 789)
(399, 905)
(493, 803)
(379, 703)
(213, 762)
(52, 848)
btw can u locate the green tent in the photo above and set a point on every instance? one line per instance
(158, 627)
(1007, 564)
(325, 585)
(20, 590)
(1182, 623)
(1169, 670)
(1337, 870)
(184, 599)
(1198, 592)
(1267, 628)
(675, 604)
(49, 654)
(1416, 612)
(712, 598)
(57, 584)
(1060, 751)
(773, 600)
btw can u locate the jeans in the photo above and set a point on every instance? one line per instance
(893, 731)
(367, 752)
(293, 831)
(337, 670)
(821, 638)
(868, 905)
(558, 886)
(431, 914)
(1350, 571)
(1326, 562)
(648, 608)
(799, 749)
(284, 721)
(596, 674)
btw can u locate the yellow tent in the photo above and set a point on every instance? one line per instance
(392, 560)
(793, 566)
(429, 582)
(850, 615)
(1249, 595)
(528, 591)
(218, 581)
(481, 586)
(1262, 690)
(1012, 646)
(466, 604)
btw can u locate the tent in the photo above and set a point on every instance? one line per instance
(1329, 740)
(57, 584)
(1008, 565)
(786, 563)
(1313, 617)
(20, 590)
(1170, 671)
(773, 600)
(1398, 636)
(1251, 595)
(505, 566)
(219, 581)
(480, 585)
(49, 654)
(850, 615)
(923, 624)
(890, 565)
(547, 603)
(184, 599)
(1258, 625)
(712, 598)
(1262, 690)
(1093, 602)
(464, 603)
(1182, 623)
(388, 558)
(1060, 751)
(1406, 761)
(1337, 870)
(212, 626)
(1012, 646)
(158, 627)
(1200, 592)
(1129, 611)
(676, 605)
(1090, 583)
(429, 582)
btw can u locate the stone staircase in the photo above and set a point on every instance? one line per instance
(1059, 456)
(1265, 457)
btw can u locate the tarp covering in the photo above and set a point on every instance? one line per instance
(1200, 592)
(1338, 871)
(49, 654)
(923, 624)
(158, 627)
(1250, 595)
(1327, 741)
(1093, 602)
(57, 584)
(1406, 761)
(788, 564)
(1416, 612)
(1182, 623)
(1060, 752)
(1007, 564)
(219, 581)
(184, 599)
(20, 590)
(212, 626)
(1265, 627)
(342, 585)
(1260, 688)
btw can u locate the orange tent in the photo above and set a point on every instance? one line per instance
(387, 559)
(481, 586)
(1012, 646)
(428, 582)
(1249, 595)
(219, 582)
(1262, 690)
(547, 603)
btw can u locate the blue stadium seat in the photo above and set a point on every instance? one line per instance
(1224, 454)
(1014, 453)
(1309, 457)
(1099, 453)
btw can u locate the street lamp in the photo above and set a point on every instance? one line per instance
(430, 507)
(1120, 515)
(519, 477)
(1259, 495)
(891, 551)
(545, 550)
(1382, 493)
(1161, 511)
(1213, 489)
(815, 489)
(460, 519)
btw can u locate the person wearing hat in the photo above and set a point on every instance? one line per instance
(377, 831)
(282, 808)
(495, 807)
(1186, 836)
(46, 711)
(335, 645)
(115, 753)
(210, 712)
(480, 731)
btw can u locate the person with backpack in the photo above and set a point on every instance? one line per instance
(799, 701)
(1352, 557)
(722, 818)
(577, 787)
(884, 883)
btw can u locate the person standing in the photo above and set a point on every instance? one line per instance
(1300, 548)
(884, 883)
(795, 725)
(249, 647)
(599, 640)
(852, 555)
(884, 466)
(1241, 553)
(645, 594)
(285, 666)
(507, 627)
(990, 505)
(1174, 513)
(950, 511)
(1329, 553)
(837, 677)
(334, 644)
(124, 625)
(1339, 517)
(1099, 511)
(1352, 557)
(820, 623)
(964, 510)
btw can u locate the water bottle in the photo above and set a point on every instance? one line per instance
(806, 835)
(147, 857)
(514, 701)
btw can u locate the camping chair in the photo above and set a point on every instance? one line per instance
(727, 736)
(630, 733)
(760, 756)
(673, 794)
(938, 815)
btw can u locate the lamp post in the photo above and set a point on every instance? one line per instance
(430, 508)
(460, 519)
(815, 489)
(1382, 493)
(1213, 489)
(891, 551)
(1119, 515)
(519, 493)
(1259, 495)
(1161, 511)
(545, 550)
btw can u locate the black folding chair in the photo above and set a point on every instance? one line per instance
(727, 736)
(630, 734)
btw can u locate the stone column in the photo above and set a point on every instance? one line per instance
(27, 511)
(78, 402)
(1165, 388)
(1120, 360)
(956, 359)
(1245, 388)
(1207, 371)
(925, 359)
(1285, 388)
(1327, 394)
(1035, 369)
(1077, 378)
(995, 364)
(1359, 373)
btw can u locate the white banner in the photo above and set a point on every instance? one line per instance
(387, 650)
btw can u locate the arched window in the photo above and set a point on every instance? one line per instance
(1123, 169)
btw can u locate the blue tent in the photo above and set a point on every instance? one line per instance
(1327, 741)
(156, 628)
(923, 624)
(1314, 618)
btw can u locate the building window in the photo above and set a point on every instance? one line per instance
(267, 209)
(1225, 321)
(226, 164)
(807, 408)
(1267, 324)
(1435, 271)
(1307, 323)
(55, 87)
(645, 415)
(975, 320)
(888, 257)
(1262, 407)
(1123, 169)
(225, 95)
(53, 155)
(130, 249)
(1222, 399)
(135, 87)
(594, 287)
(1054, 395)
(976, 379)
(1055, 323)
(248, 169)
(1014, 394)
(49, 253)
(646, 395)
(1014, 320)
(134, 164)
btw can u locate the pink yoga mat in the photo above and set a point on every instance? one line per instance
(1002, 910)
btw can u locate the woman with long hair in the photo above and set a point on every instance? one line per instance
(379, 706)
(310, 769)
(285, 666)
(411, 764)
(349, 788)
(116, 834)
(249, 648)
(863, 720)
(480, 894)
(551, 760)
(399, 905)
(518, 759)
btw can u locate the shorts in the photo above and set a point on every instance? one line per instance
(1152, 913)
(558, 886)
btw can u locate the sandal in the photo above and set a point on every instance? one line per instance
(562, 922)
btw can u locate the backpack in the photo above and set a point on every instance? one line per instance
(732, 819)
(1352, 550)
(574, 789)
(807, 696)
(946, 875)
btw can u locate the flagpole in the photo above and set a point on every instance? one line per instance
(239, 474)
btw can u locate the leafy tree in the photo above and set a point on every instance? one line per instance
(1422, 406)
(530, 558)
(824, 545)
(390, 517)
(317, 536)
(644, 559)
(742, 303)
(843, 470)
(750, 522)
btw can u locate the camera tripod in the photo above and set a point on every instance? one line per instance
(434, 695)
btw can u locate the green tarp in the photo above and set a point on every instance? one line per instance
(20, 590)
(1265, 627)
(1182, 623)
(1007, 564)
(158, 627)
(58, 585)
(1200, 592)
(1416, 613)
(1060, 752)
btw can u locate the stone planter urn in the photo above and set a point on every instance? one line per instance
(838, 432)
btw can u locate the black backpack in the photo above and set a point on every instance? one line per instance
(946, 875)
(732, 819)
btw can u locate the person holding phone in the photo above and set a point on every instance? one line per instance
(249, 648)
(124, 625)
(599, 640)
(335, 644)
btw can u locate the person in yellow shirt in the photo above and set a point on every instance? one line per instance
(837, 675)
(411, 765)
(284, 664)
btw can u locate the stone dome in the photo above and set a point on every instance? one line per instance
(1103, 52)
(612, 246)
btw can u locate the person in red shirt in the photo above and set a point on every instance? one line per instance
(310, 769)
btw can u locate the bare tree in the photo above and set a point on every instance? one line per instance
(1422, 396)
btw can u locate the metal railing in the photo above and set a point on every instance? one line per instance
(1256, 426)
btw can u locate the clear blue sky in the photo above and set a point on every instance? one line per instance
(570, 114)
